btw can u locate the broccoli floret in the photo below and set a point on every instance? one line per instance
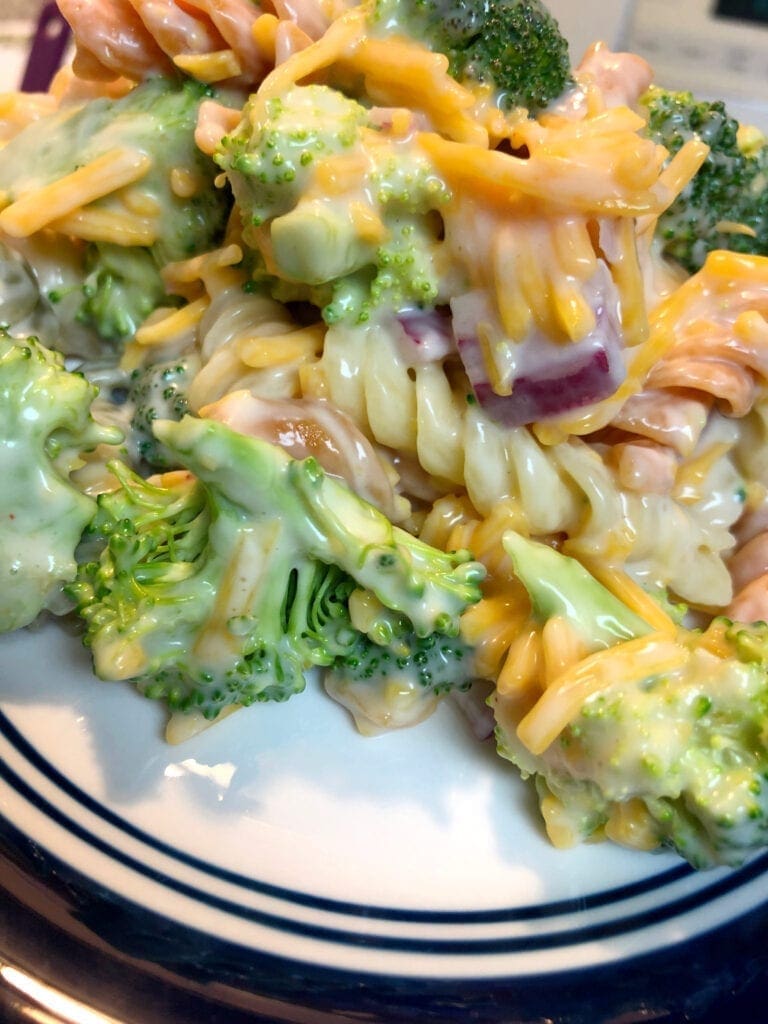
(687, 749)
(729, 190)
(682, 747)
(122, 287)
(372, 244)
(271, 155)
(514, 46)
(750, 642)
(435, 663)
(391, 678)
(224, 587)
(158, 392)
(45, 422)
(156, 119)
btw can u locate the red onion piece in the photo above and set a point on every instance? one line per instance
(550, 378)
(426, 337)
(590, 373)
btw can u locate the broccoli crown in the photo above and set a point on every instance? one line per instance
(273, 152)
(402, 275)
(161, 602)
(397, 685)
(689, 746)
(224, 587)
(390, 677)
(435, 663)
(729, 190)
(684, 739)
(157, 118)
(122, 286)
(364, 242)
(45, 422)
(514, 46)
(158, 392)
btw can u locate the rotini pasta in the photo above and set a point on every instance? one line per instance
(566, 488)
(135, 38)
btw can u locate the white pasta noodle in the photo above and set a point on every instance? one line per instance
(567, 488)
(232, 320)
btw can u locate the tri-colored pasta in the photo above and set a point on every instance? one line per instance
(460, 308)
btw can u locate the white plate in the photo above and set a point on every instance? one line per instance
(414, 860)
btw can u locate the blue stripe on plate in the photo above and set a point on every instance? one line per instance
(601, 930)
(652, 986)
(501, 915)
(539, 941)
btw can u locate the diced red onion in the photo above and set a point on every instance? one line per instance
(593, 371)
(550, 378)
(426, 337)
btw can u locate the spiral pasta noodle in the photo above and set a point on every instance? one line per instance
(567, 488)
(212, 40)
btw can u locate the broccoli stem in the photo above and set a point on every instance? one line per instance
(559, 585)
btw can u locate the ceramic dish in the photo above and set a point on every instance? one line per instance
(281, 856)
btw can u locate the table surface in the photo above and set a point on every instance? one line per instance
(19, 9)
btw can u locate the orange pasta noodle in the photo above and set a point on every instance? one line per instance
(235, 20)
(342, 37)
(750, 603)
(714, 335)
(311, 16)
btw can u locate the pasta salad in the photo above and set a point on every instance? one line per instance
(388, 340)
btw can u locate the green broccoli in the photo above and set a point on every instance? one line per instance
(686, 744)
(45, 422)
(19, 294)
(369, 246)
(436, 664)
(398, 682)
(224, 587)
(271, 155)
(122, 284)
(725, 205)
(158, 392)
(560, 585)
(121, 288)
(390, 677)
(514, 46)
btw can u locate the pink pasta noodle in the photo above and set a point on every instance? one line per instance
(750, 569)
(711, 335)
(139, 38)
(235, 19)
(306, 427)
(112, 40)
